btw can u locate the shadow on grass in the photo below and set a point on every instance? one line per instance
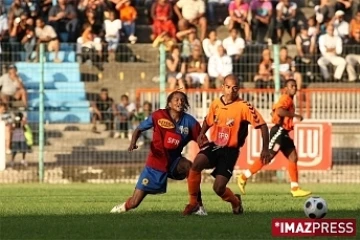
(141, 224)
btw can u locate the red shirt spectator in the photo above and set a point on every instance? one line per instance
(161, 13)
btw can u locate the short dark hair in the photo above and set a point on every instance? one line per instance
(171, 95)
(104, 90)
(124, 96)
(290, 80)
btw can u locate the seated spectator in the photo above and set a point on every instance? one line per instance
(234, 46)
(103, 110)
(220, 65)
(97, 26)
(238, 14)
(305, 46)
(46, 34)
(324, 12)
(6, 118)
(313, 28)
(287, 68)
(126, 112)
(128, 15)
(162, 13)
(349, 7)
(189, 40)
(264, 77)
(193, 12)
(12, 87)
(261, 19)
(212, 6)
(175, 69)
(286, 19)
(211, 44)
(22, 36)
(63, 18)
(353, 56)
(166, 40)
(341, 27)
(331, 48)
(196, 70)
(17, 8)
(112, 34)
(354, 25)
(91, 48)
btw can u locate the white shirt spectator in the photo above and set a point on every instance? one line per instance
(210, 49)
(286, 11)
(191, 8)
(46, 31)
(9, 87)
(112, 28)
(341, 29)
(233, 47)
(327, 41)
(219, 66)
(4, 25)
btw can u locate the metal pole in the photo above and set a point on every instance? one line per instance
(277, 71)
(41, 113)
(162, 79)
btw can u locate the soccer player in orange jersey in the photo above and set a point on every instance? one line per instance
(229, 117)
(283, 113)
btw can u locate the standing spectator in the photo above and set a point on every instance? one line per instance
(63, 18)
(211, 44)
(238, 14)
(305, 46)
(264, 77)
(354, 25)
(103, 109)
(97, 26)
(6, 118)
(286, 18)
(46, 34)
(18, 140)
(341, 27)
(331, 48)
(234, 46)
(162, 13)
(353, 56)
(45, 6)
(220, 65)
(128, 15)
(261, 19)
(196, 70)
(22, 36)
(192, 12)
(112, 34)
(176, 69)
(12, 87)
(124, 119)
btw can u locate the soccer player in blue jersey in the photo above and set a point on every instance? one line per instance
(173, 129)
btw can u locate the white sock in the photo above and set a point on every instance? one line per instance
(294, 184)
(247, 173)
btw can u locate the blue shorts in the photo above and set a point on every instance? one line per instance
(153, 181)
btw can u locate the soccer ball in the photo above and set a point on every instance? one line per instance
(315, 207)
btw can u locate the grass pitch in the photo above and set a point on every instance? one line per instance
(81, 211)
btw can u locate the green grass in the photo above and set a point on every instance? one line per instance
(81, 211)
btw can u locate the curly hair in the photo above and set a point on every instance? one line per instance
(171, 96)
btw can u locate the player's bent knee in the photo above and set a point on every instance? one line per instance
(219, 189)
(200, 163)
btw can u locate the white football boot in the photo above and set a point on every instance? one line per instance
(201, 211)
(119, 208)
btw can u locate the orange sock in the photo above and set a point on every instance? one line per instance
(194, 180)
(229, 196)
(293, 173)
(257, 165)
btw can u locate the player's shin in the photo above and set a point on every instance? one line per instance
(194, 181)
(294, 176)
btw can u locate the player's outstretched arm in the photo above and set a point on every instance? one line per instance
(135, 136)
(285, 113)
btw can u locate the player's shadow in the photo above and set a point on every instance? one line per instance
(147, 224)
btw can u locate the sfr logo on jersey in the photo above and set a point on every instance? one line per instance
(320, 227)
(172, 140)
(223, 136)
(313, 143)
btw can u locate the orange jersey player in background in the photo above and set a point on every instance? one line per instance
(229, 116)
(283, 113)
